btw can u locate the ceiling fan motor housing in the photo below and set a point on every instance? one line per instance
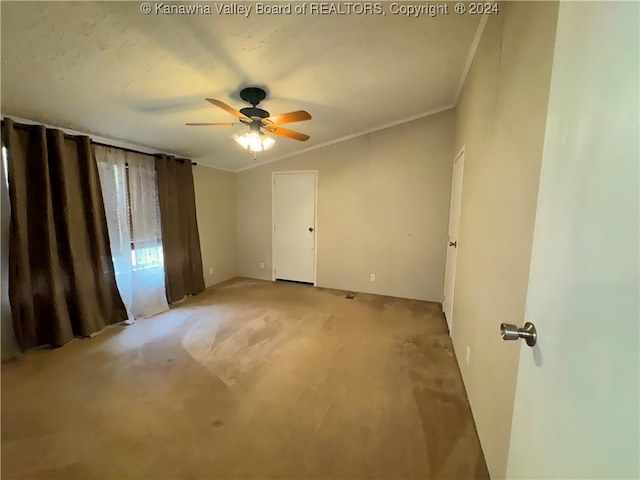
(253, 95)
(254, 112)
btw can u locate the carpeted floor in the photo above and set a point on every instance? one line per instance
(250, 379)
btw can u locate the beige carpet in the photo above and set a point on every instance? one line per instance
(249, 379)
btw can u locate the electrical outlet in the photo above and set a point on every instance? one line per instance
(211, 271)
(468, 355)
(261, 266)
(373, 277)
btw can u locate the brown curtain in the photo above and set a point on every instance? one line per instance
(61, 277)
(180, 237)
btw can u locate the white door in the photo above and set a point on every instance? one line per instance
(576, 411)
(452, 245)
(294, 222)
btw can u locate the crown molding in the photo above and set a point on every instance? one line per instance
(472, 54)
(349, 137)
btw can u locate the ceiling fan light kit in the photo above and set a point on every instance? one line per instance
(255, 140)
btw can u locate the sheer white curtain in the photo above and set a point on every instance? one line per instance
(130, 196)
(113, 180)
(147, 272)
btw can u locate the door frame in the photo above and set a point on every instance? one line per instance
(449, 321)
(315, 220)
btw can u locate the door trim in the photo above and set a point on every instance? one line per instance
(315, 221)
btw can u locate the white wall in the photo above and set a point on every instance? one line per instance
(382, 208)
(577, 405)
(216, 212)
(501, 120)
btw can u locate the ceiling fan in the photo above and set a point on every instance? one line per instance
(257, 119)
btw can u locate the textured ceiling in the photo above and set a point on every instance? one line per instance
(107, 69)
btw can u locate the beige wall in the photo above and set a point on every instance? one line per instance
(382, 208)
(501, 120)
(216, 211)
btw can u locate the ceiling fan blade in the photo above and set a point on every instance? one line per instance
(289, 133)
(227, 108)
(212, 124)
(298, 116)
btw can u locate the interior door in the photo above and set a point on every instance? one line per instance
(294, 221)
(576, 408)
(452, 246)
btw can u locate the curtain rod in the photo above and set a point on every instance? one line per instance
(181, 160)
(74, 137)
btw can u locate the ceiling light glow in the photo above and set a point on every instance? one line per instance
(255, 141)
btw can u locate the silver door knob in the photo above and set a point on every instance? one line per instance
(511, 332)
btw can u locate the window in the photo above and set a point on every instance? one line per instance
(146, 246)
